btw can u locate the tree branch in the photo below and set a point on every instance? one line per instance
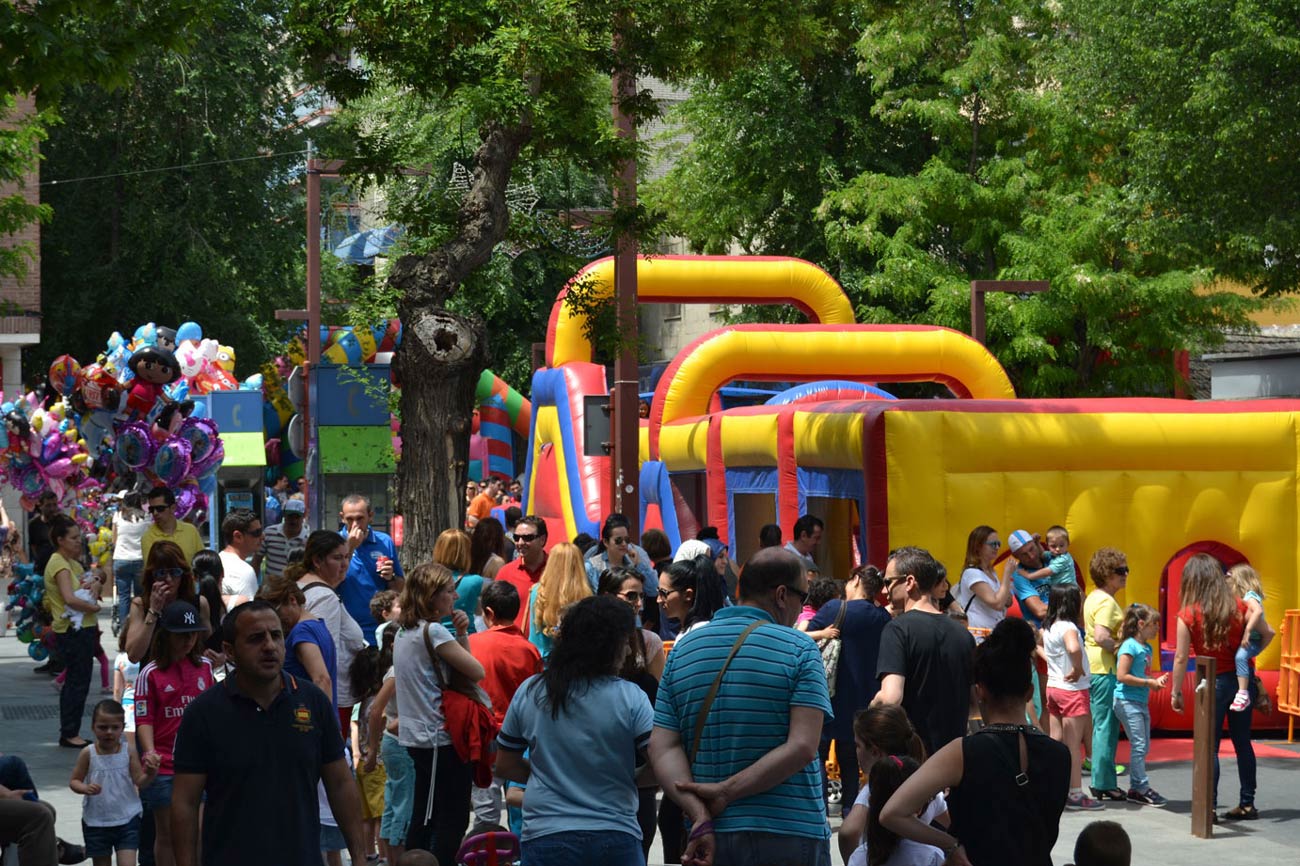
(482, 221)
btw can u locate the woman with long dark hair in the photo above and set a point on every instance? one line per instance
(166, 578)
(643, 666)
(1008, 782)
(208, 573)
(691, 592)
(1211, 623)
(76, 639)
(587, 731)
(487, 548)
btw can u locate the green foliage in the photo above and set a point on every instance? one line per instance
(1200, 97)
(217, 235)
(967, 162)
(20, 136)
(51, 44)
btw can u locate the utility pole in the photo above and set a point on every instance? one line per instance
(625, 423)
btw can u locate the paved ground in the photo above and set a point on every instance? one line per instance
(29, 727)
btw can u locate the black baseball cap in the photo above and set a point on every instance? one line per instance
(180, 617)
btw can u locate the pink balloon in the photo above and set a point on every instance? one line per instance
(61, 468)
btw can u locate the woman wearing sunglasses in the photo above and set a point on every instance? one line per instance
(983, 596)
(166, 578)
(1102, 617)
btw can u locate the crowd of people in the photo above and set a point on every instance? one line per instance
(571, 700)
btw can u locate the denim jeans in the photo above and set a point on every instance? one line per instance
(1135, 717)
(1225, 689)
(579, 847)
(78, 650)
(126, 578)
(15, 776)
(770, 849)
(1241, 659)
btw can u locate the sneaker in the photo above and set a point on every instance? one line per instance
(1241, 813)
(1087, 765)
(1241, 702)
(1121, 770)
(1147, 798)
(1083, 803)
(70, 853)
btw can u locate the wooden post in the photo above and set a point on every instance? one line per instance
(1203, 749)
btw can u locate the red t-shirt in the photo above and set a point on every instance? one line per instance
(522, 579)
(161, 697)
(1223, 654)
(508, 659)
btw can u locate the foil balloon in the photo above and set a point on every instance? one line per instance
(171, 462)
(63, 374)
(135, 445)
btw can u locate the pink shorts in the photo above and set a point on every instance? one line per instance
(1067, 704)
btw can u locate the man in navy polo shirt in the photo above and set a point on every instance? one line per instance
(256, 745)
(374, 563)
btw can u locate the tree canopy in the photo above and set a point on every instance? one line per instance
(971, 160)
(174, 198)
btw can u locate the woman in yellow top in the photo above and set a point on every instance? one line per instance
(1102, 617)
(76, 646)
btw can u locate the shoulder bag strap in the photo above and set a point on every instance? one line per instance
(839, 614)
(713, 690)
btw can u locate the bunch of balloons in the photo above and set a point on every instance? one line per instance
(42, 450)
(134, 411)
(26, 591)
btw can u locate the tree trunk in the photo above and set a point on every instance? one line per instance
(441, 357)
(442, 354)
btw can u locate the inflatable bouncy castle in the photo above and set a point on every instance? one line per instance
(1159, 479)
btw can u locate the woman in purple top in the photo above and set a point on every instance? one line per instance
(309, 651)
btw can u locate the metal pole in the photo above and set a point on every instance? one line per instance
(315, 500)
(626, 419)
(1203, 749)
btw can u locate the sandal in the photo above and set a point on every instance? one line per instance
(1113, 794)
(1241, 813)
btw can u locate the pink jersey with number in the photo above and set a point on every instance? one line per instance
(161, 696)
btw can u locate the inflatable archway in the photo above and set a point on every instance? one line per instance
(700, 280)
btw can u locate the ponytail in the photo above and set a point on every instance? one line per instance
(886, 778)
(886, 727)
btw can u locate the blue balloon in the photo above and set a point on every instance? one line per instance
(189, 331)
(200, 409)
(270, 421)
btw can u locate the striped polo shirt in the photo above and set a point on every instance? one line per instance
(776, 668)
(276, 548)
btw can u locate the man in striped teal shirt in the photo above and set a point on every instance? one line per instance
(753, 792)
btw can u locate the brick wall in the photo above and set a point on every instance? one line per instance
(24, 293)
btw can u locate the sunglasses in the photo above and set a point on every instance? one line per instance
(1122, 571)
(664, 593)
(169, 573)
(255, 533)
(619, 541)
(803, 596)
(630, 596)
(158, 509)
(519, 538)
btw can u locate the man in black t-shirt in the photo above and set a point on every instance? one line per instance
(39, 545)
(925, 656)
(257, 744)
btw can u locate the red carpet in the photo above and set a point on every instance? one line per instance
(1166, 750)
